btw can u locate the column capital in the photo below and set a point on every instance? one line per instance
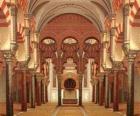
(101, 78)
(59, 75)
(112, 32)
(27, 18)
(38, 79)
(126, 9)
(27, 15)
(39, 76)
(117, 66)
(107, 72)
(131, 57)
(96, 82)
(43, 81)
(13, 10)
(26, 31)
(8, 56)
(80, 75)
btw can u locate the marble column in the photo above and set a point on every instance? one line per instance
(130, 100)
(24, 91)
(43, 99)
(106, 91)
(116, 91)
(97, 92)
(93, 93)
(46, 93)
(38, 91)
(33, 90)
(9, 84)
(101, 91)
(80, 89)
(59, 89)
(131, 57)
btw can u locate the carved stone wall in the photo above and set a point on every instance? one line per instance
(69, 25)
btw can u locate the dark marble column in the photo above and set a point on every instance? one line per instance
(43, 91)
(106, 91)
(80, 89)
(38, 91)
(97, 92)
(116, 91)
(59, 90)
(101, 91)
(24, 91)
(46, 93)
(9, 84)
(93, 93)
(130, 100)
(33, 90)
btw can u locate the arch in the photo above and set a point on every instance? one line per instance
(70, 84)
(37, 6)
(70, 40)
(94, 34)
(70, 33)
(48, 40)
(50, 34)
(91, 40)
(70, 8)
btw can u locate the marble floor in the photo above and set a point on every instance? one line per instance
(51, 109)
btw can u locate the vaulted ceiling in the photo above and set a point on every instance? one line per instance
(94, 10)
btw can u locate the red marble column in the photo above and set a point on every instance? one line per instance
(80, 89)
(9, 84)
(116, 92)
(106, 91)
(101, 92)
(59, 90)
(43, 99)
(97, 92)
(93, 93)
(38, 92)
(23, 91)
(46, 93)
(33, 91)
(130, 100)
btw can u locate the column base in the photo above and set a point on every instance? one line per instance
(24, 109)
(32, 106)
(106, 106)
(115, 110)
